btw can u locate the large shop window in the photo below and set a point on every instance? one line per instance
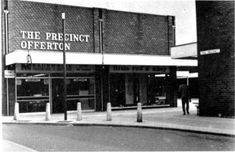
(157, 89)
(32, 94)
(81, 90)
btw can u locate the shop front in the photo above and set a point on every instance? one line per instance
(132, 84)
(111, 56)
(38, 84)
(152, 82)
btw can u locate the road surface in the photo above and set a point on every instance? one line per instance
(100, 138)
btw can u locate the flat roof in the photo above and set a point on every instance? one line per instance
(56, 57)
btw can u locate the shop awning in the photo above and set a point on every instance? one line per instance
(53, 57)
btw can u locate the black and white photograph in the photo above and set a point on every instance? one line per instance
(117, 75)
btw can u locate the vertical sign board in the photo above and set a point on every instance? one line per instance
(210, 52)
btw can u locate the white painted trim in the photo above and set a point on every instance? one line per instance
(53, 57)
(147, 60)
(184, 51)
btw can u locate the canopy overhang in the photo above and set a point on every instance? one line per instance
(184, 51)
(53, 57)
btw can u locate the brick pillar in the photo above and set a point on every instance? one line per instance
(171, 32)
(215, 30)
(96, 30)
(102, 87)
(12, 95)
(172, 88)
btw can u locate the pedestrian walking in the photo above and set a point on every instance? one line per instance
(184, 94)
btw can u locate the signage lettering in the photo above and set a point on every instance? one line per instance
(36, 45)
(138, 69)
(54, 41)
(37, 68)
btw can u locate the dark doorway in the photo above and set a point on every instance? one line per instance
(117, 90)
(57, 95)
(157, 88)
(136, 90)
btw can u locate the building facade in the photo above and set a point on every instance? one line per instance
(215, 33)
(111, 56)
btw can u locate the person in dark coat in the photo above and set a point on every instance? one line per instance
(184, 94)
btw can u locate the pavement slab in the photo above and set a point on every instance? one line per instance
(161, 118)
(9, 146)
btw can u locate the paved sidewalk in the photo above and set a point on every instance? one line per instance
(9, 146)
(163, 118)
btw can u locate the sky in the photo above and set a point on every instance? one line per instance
(183, 10)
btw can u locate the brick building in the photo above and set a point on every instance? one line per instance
(111, 56)
(215, 33)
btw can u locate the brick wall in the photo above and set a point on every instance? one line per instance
(215, 30)
(31, 16)
(123, 32)
(135, 33)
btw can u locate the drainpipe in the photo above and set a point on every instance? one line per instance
(4, 52)
(102, 53)
(6, 31)
(101, 39)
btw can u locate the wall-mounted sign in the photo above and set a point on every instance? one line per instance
(138, 69)
(46, 81)
(210, 52)
(80, 80)
(52, 41)
(50, 68)
(33, 80)
(18, 82)
(9, 73)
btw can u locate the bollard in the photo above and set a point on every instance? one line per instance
(16, 111)
(109, 112)
(48, 111)
(79, 111)
(139, 113)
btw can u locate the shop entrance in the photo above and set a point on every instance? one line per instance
(117, 90)
(157, 89)
(136, 90)
(79, 89)
(57, 95)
